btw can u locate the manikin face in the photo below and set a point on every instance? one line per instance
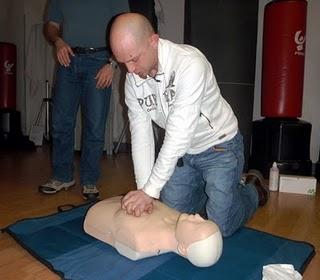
(199, 240)
(139, 58)
(192, 228)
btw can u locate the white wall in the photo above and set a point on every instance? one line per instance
(170, 19)
(311, 100)
(16, 18)
(3, 19)
(311, 95)
(11, 19)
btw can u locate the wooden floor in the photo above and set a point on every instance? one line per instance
(293, 216)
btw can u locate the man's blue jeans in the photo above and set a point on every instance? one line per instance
(76, 84)
(210, 181)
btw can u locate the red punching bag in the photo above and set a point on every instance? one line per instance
(283, 58)
(8, 57)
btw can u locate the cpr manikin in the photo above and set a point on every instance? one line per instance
(164, 230)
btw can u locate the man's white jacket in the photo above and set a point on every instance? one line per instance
(185, 100)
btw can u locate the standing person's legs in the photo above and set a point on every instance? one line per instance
(185, 189)
(229, 204)
(64, 110)
(95, 107)
(65, 107)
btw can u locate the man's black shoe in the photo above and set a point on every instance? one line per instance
(255, 177)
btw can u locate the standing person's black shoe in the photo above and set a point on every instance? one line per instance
(255, 177)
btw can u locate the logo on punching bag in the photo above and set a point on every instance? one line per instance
(299, 39)
(8, 67)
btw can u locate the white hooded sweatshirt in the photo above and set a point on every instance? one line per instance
(185, 100)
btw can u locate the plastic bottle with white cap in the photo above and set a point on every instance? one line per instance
(274, 177)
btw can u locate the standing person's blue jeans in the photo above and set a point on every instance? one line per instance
(210, 181)
(76, 85)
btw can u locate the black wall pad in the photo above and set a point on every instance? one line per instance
(226, 32)
(286, 141)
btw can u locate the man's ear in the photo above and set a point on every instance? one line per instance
(154, 39)
(182, 250)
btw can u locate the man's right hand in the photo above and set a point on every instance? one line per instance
(63, 52)
(137, 202)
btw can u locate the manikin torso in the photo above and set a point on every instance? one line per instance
(163, 230)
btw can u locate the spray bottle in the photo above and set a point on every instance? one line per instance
(274, 177)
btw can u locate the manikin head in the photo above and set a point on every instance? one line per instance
(199, 240)
(135, 44)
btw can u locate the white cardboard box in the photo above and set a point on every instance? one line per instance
(297, 184)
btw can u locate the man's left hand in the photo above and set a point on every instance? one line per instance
(137, 202)
(104, 76)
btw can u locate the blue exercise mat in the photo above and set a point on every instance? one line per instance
(59, 242)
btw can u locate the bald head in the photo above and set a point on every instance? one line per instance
(134, 43)
(130, 25)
